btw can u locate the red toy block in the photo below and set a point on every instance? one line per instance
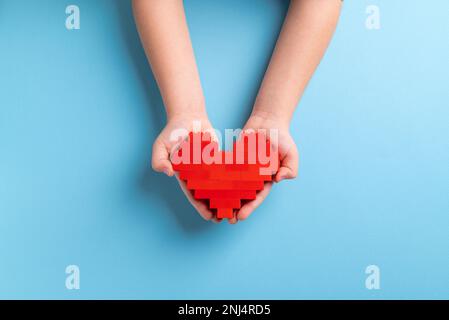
(224, 203)
(237, 175)
(210, 185)
(225, 213)
(252, 176)
(225, 175)
(237, 194)
(236, 167)
(197, 175)
(248, 185)
(223, 184)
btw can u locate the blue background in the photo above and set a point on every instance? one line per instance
(79, 110)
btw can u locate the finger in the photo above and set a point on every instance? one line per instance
(201, 207)
(160, 159)
(246, 210)
(216, 220)
(289, 166)
(213, 134)
(233, 220)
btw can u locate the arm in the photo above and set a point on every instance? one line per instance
(305, 35)
(165, 37)
(304, 38)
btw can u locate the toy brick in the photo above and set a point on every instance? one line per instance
(229, 167)
(252, 176)
(224, 203)
(238, 175)
(210, 184)
(238, 194)
(221, 176)
(225, 175)
(214, 168)
(246, 194)
(225, 213)
(224, 184)
(251, 185)
(197, 175)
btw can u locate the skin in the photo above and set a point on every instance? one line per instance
(305, 35)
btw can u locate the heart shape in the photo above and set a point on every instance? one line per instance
(225, 179)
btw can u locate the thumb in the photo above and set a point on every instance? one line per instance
(160, 159)
(289, 166)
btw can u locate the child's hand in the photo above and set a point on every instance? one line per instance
(162, 147)
(305, 34)
(288, 156)
(288, 152)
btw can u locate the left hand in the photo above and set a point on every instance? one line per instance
(288, 156)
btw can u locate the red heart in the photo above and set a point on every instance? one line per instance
(225, 179)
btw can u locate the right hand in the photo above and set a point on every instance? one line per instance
(162, 147)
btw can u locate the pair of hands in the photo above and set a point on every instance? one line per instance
(305, 35)
(289, 158)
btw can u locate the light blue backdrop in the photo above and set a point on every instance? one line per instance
(79, 111)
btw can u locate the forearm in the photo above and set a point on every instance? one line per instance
(305, 35)
(165, 37)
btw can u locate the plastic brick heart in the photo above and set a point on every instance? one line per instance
(225, 179)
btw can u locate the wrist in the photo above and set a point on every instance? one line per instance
(191, 110)
(268, 118)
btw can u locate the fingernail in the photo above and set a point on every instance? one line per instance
(167, 172)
